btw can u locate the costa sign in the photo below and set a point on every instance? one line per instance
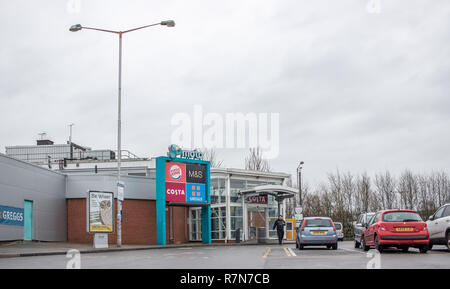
(260, 199)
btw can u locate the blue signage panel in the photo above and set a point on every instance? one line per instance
(195, 193)
(11, 216)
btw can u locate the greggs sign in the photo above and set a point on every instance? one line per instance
(185, 182)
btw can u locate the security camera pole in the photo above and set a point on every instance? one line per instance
(78, 27)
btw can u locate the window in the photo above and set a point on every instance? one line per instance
(439, 213)
(401, 217)
(235, 187)
(360, 219)
(374, 219)
(369, 217)
(236, 220)
(218, 223)
(272, 217)
(338, 226)
(446, 212)
(218, 190)
(195, 224)
(318, 223)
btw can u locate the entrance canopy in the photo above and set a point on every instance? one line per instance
(279, 192)
(258, 195)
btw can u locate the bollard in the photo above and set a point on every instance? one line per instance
(238, 235)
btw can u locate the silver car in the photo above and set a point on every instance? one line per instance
(339, 231)
(317, 231)
(439, 227)
(359, 227)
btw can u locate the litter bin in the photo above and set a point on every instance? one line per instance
(238, 235)
(262, 238)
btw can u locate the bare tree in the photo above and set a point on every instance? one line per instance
(385, 185)
(255, 162)
(363, 193)
(211, 156)
(407, 188)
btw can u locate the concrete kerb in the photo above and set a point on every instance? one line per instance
(115, 249)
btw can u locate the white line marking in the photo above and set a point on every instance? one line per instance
(350, 250)
(292, 252)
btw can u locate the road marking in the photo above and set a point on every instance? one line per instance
(287, 252)
(292, 252)
(267, 253)
(350, 250)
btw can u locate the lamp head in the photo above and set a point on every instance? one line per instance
(168, 23)
(75, 28)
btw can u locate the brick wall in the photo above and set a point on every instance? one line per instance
(138, 227)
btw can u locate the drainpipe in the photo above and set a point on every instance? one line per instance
(171, 238)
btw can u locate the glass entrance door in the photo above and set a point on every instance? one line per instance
(256, 219)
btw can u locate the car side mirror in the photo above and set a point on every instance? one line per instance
(431, 218)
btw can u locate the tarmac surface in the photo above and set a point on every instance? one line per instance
(239, 257)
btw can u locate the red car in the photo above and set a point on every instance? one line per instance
(396, 228)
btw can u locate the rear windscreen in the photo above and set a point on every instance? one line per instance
(401, 217)
(337, 226)
(318, 223)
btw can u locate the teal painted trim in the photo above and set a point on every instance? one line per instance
(160, 201)
(206, 211)
(28, 221)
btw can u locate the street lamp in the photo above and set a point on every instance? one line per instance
(299, 181)
(78, 27)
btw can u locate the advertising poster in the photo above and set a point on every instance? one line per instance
(100, 212)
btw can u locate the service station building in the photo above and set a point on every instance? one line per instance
(50, 204)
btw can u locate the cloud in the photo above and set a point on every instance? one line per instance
(354, 90)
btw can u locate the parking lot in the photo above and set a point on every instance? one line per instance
(245, 257)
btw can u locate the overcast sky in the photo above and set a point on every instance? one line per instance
(355, 90)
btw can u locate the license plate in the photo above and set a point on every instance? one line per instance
(318, 233)
(404, 229)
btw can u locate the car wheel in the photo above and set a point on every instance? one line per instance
(300, 247)
(430, 246)
(423, 249)
(365, 247)
(335, 246)
(405, 249)
(357, 244)
(447, 239)
(378, 246)
(328, 246)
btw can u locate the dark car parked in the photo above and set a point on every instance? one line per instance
(359, 227)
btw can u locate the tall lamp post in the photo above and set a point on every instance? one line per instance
(78, 27)
(299, 175)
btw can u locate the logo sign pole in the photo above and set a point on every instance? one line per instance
(184, 182)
